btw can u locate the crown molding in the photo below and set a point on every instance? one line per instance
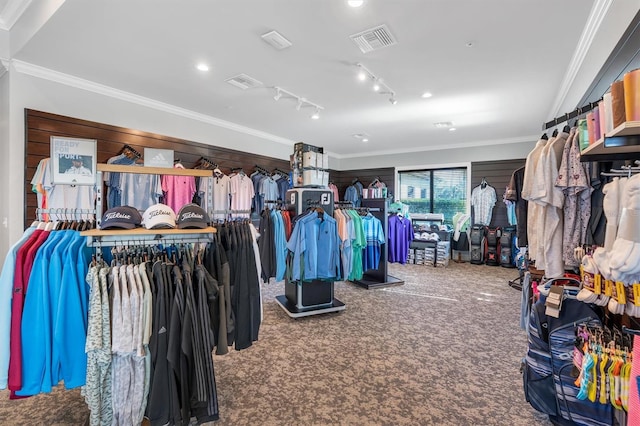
(90, 86)
(596, 16)
(12, 11)
(507, 141)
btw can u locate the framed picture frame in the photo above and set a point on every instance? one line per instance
(73, 160)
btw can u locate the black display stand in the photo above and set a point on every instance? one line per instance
(305, 298)
(378, 278)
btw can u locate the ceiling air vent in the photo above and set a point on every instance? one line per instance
(243, 82)
(276, 40)
(374, 39)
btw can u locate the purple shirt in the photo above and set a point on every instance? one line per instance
(400, 236)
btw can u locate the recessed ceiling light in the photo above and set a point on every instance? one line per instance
(362, 136)
(427, 95)
(443, 124)
(469, 44)
(452, 129)
(355, 3)
(203, 67)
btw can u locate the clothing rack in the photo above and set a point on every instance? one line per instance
(205, 161)
(262, 170)
(305, 298)
(343, 204)
(573, 114)
(379, 278)
(64, 213)
(280, 171)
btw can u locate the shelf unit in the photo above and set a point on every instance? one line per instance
(379, 278)
(621, 144)
(306, 298)
(99, 237)
(116, 168)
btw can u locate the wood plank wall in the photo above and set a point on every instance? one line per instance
(342, 179)
(40, 126)
(498, 174)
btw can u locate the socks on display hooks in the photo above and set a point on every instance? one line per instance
(587, 293)
(610, 205)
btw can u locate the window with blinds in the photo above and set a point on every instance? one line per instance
(434, 191)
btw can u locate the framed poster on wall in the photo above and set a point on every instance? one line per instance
(73, 160)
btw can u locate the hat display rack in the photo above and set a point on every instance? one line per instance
(140, 236)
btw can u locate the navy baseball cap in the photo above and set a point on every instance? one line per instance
(192, 216)
(121, 217)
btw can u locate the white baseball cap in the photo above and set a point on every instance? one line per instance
(159, 216)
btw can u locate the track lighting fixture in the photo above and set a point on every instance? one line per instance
(379, 85)
(301, 102)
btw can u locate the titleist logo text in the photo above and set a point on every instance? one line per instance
(116, 215)
(191, 215)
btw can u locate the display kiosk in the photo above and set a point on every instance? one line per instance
(305, 298)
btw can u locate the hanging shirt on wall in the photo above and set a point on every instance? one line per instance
(336, 194)
(527, 193)
(178, 190)
(351, 194)
(514, 191)
(482, 201)
(269, 191)
(140, 190)
(60, 196)
(242, 194)
(574, 181)
(221, 196)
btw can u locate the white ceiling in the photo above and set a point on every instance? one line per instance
(501, 89)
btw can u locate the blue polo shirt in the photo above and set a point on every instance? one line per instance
(315, 244)
(36, 320)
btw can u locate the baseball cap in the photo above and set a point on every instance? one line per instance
(192, 216)
(121, 217)
(159, 216)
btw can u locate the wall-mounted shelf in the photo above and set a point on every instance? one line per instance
(153, 170)
(98, 237)
(622, 143)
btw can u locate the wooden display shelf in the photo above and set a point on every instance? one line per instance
(153, 170)
(142, 231)
(629, 132)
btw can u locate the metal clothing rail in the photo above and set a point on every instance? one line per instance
(65, 213)
(568, 116)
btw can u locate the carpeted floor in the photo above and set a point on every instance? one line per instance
(443, 349)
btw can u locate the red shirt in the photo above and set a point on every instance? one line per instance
(24, 263)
